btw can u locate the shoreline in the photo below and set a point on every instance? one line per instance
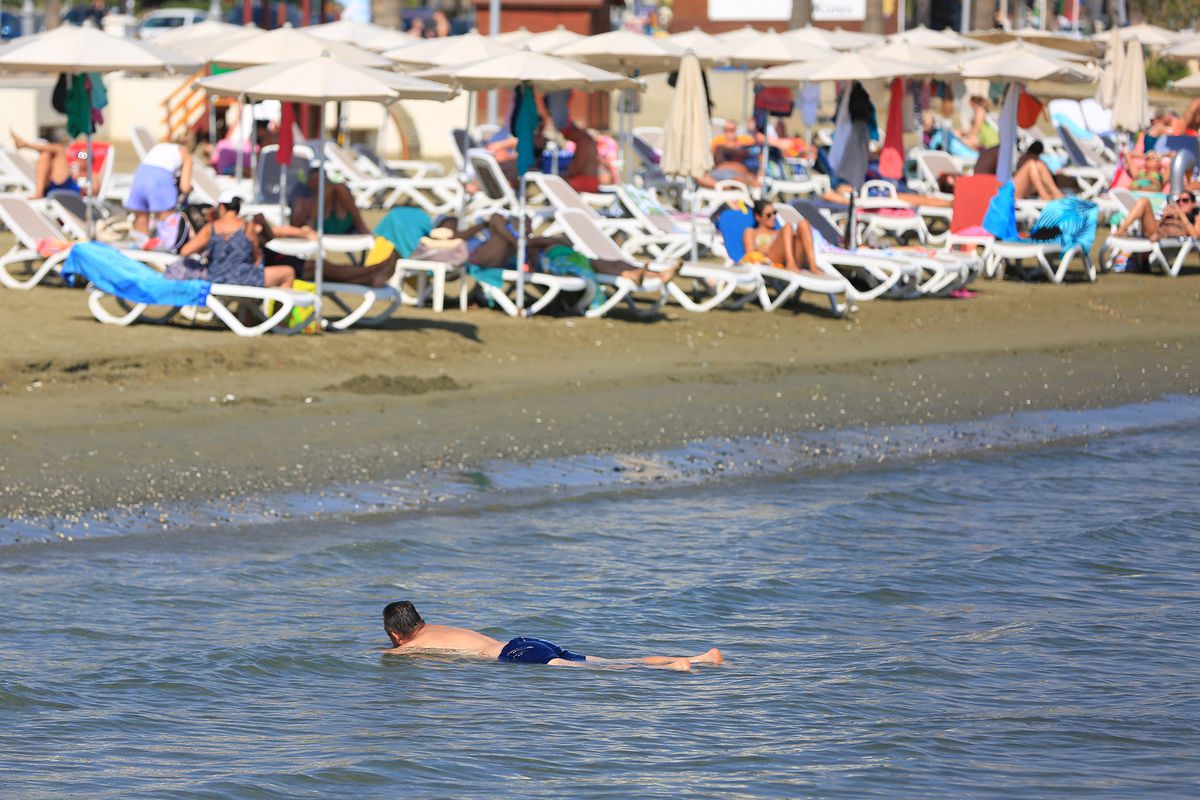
(110, 418)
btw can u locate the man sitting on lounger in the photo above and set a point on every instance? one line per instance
(410, 634)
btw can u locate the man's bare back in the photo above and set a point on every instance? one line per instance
(456, 640)
(411, 634)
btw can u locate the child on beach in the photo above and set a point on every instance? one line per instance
(410, 634)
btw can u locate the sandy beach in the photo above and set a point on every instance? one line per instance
(100, 417)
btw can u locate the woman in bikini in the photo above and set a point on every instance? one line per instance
(785, 246)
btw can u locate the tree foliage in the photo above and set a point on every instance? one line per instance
(1174, 14)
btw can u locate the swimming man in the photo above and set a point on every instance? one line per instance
(409, 634)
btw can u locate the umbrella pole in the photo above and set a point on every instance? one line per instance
(91, 172)
(521, 251)
(695, 212)
(237, 170)
(319, 274)
(283, 176)
(253, 154)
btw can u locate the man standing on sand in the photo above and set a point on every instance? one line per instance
(410, 634)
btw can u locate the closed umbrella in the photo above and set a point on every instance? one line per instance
(1114, 63)
(629, 53)
(531, 71)
(1131, 107)
(686, 150)
(322, 80)
(81, 50)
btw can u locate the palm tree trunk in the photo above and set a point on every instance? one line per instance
(51, 14)
(801, 13)
(983, 15)
(873, 23)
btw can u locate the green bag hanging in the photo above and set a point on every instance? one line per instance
(79, 107)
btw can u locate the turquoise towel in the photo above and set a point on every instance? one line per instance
(1075, 220)
(404, 226)
(1001, 217)
(119, 275)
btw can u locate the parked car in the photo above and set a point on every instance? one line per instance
(234, 16)
(10, 25)
(168, 19)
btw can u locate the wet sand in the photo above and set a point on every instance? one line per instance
(102, 417)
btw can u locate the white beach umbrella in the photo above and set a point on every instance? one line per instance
(744, 32)
(515, 38)
(375, 38)
(1051, 39)
(201, 30)
(812, 35)
(86, 49)
(549, 41)
(1021, 62)
(1131, 102)
(1144, 33)
(290, 44)
(937, 40)
(629, 53)
(769, 49)
(1188, 46)
(686, 134)
(841, 39)
(537, 71)
(1114, 63)
(911, 53)
(849, 67)
(204, 48)
(1190, 83)
(1027, 49)
(695, 40)
(322, 80)
(449, 50)
(624, 51)
(79, 50)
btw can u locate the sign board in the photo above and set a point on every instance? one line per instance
(750, 10)
(830, 10)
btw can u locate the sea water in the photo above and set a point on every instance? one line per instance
(990, 622)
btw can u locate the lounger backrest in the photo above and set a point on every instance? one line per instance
(369, 161)
(587, 237)
(490, 178)
(205, 185)
(25, 222)
(818, 221)
(19, 170)
(71, 210)
(1075, 152)
(972, 195)
(651, 135)
(935, 164)
(343, 163)
(1098, 118)
(1067, 109)
(788, 215)
(1124, 198)
(562, 195)
(462, 143)
(644, 206)
(142, 140)
(648, 154)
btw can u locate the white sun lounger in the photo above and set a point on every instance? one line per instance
(595, 243)
(589, 239)
(435, 195)
(1156, 251)
(16, 173)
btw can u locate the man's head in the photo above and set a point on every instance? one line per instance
(401, 621)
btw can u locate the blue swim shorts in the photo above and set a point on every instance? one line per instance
(522, 650)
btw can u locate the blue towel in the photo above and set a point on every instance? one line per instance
(121, 276)
(404, 226)
(1075, 220)
(1001, 217)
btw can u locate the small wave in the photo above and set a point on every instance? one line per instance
(499, 484)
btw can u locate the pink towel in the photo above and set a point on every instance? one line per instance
(891, 157)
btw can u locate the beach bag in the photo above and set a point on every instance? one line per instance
(299, 314)
(442, 246)
(778, 101)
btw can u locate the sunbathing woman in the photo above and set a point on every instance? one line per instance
(53, 169)
(1033, 179)
(493, 243)
(233, 254)
(785, 246)
(341, 217)
(1178, 219)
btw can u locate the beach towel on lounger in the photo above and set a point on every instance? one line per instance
(404, 226)
(1072, 218)
(117, 274)
(1001, 217)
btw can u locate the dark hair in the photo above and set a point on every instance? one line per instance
(265, 234)
(1035, 148)
(233, 204)
(860, 106)
(402, 619)
(760, 206)
(946, 182)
